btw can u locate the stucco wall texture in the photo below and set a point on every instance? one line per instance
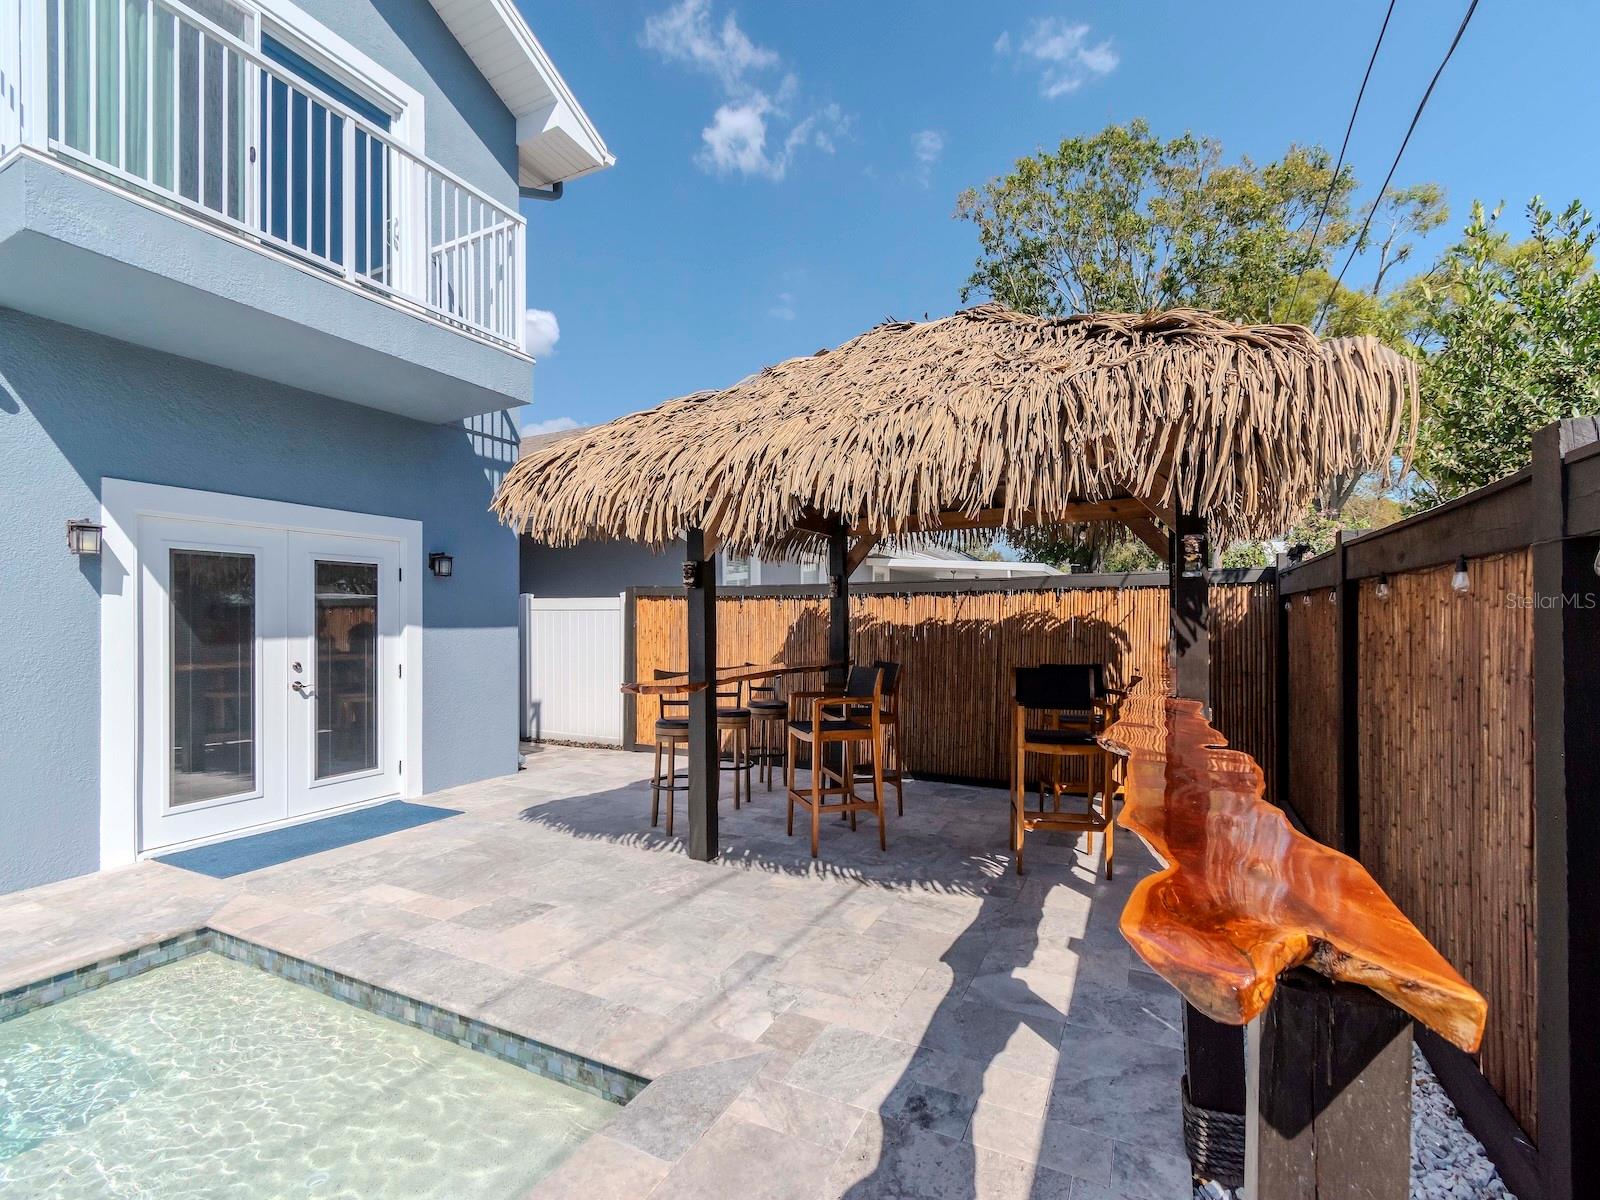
(76, 408)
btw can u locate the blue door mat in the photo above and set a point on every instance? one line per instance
(224, 860)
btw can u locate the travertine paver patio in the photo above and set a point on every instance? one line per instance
(917, 1024)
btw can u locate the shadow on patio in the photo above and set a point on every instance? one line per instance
(981, 1035)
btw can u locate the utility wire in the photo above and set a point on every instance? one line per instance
(1333, 181)
(1394, 166)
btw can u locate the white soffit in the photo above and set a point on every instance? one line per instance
(555, 138)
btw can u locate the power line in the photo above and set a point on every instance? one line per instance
(1394, 166)
(1333, 181)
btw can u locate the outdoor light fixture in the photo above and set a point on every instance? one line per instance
(1333, 596)
(442, 565)
(1597, 562)
(83, 537)
(1459, 580)
(1306, 600)
(1382, 590)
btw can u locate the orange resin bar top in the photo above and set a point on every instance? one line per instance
(1244, 896)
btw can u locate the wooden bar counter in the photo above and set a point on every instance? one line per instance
(1244, 897)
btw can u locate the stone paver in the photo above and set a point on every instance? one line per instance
(922, 1023)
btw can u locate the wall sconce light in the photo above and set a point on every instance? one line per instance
(442, 565)
(1306, 599)
(1459, 580)
(691, 573)
(84, 537)
(1597, 562)
(1333, 596)
(1382, 590)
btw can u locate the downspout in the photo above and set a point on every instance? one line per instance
(553, 192)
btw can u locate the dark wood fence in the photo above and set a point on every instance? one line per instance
(1428, 734)
(957, 648)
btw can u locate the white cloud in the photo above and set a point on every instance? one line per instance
(743, 137)
(783, 310)
(553, 425)
(1063, 53)
(543, 332)
(927, 146)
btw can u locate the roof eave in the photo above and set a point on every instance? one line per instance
(556, 140)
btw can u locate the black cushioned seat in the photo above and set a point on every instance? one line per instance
(672, 725)
(1061, 737)
(769, 706)
(733, 714)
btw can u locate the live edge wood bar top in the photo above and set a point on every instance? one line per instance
(681, 685)
(1244, 896)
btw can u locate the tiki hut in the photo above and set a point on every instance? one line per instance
(987, 418)
(1180, 425)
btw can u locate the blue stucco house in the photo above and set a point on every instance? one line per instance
(262, 295)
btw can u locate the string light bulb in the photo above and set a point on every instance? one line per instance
(1459, 580)
(1382, 590)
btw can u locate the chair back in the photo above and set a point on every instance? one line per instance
(864, 683)
(1060, 687)
(762, 689)
(729, 694)
(891, 678)
(672, 706)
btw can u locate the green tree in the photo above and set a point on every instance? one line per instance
(1512, 331)
(1123, 221)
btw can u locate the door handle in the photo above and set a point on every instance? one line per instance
(300, 687)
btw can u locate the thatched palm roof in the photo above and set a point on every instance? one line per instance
(987, 417)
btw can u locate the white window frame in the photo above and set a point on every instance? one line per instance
(308, 37)
(122, 503)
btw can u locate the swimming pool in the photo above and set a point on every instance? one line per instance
(208, 1077)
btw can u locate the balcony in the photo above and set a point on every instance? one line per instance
(391, 256)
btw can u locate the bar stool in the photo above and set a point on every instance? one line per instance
(890, 719)
(831, 723)
(1072, 707)
(733, 723)
(672, 730)
(768, 715)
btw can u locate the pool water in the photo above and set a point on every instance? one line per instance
(212, 1078)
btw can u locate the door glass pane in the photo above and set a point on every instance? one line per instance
(347, 667)
(213, 675)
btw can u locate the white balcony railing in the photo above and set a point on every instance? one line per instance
(165, 99)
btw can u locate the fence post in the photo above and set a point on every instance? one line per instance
(630, 668)
(1566, 797)
(1347, 763)
(1280, 690)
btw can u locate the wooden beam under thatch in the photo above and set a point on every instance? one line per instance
(986, 419)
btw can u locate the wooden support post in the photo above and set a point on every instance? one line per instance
(700, 584)
(1566, 798)
(1213, 1052)
(1190, 645)
(1347, 761)
(1329, 1108)
(838, 601)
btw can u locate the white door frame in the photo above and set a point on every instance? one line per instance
(122, 504)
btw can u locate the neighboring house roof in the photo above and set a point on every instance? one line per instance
(555, 139)
(539, 440)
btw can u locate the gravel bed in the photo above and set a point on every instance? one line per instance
(1447, 1162)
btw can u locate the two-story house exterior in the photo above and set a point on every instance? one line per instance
(262, 302)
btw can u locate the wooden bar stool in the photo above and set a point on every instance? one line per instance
(1057, 711)
(768, 715)
(733, 724)
(831, 721)
(671, 731)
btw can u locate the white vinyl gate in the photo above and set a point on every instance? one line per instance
(572, 669)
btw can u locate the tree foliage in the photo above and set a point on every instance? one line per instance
(1512, 335)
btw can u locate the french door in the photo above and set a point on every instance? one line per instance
(270, 664)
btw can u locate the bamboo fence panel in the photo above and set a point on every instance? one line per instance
(1446, 787)
(1313, 703)
(957, 651)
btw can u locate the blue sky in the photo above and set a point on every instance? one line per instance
(705, 253)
